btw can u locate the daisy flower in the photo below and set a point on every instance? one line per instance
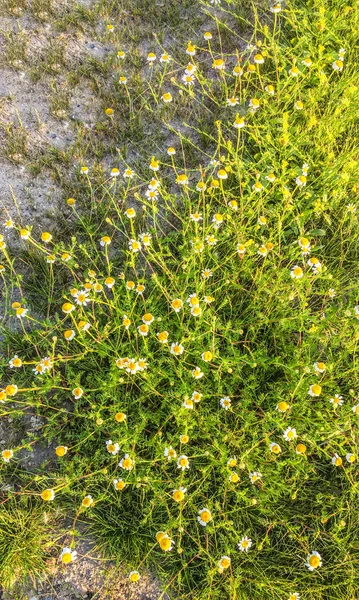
(337, 400)
(170, 453)
(61, 450)
(350, 457)
(119, 484)
(87, 501)
(178, 495)
(315, 390)
(314, 560)
(254, 476)
(112, 447)
(48, 495)
(7, 455)
(223, 563)
(289, 434)
(177, 349)
(162, 337)
(225, 402)
(164, 541)
(134, 245)
(126, 463)
(183, 462)
(198, 374)
(337, 461)
(244, 544)
(239, 122)
(296, 272)
(319, 367)
(68, 555)
(204, 516)
(15, 362)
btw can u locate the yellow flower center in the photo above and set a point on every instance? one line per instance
(314, 561)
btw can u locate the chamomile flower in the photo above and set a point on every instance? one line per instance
(224, 563)
(254, 476)
(301, 180)
(119, 484)
(196, 311)
(15, 362)
(7, 455)
(304, 244)
(134, 576)
(298, 105)
(188, 80)
(112, 447)
(254, 104)
(315, 264)
(110, 282)
(319, 367)
(9, 224)
(296, 272)
(218, 64)
(165, 542)
(177, 349)
(315, 390)
(350, 458)
(77, 392)
(179, 494)
(239, 122)
(289, 434)
(270, 177)
(206, 273)
(87, 501)
(217, 220)
(294, 71)
(237, 71)
(170, 453)
(257, 186)
(204, 516)
(167, 97)
(60, 451)
(338, 65)
(68, 555)
(165, 58)
(182, 179)
(294, 596)
(351, 208)
(355, 409)
(337, 461)
(314, 561)
(201, 186)
(233, 101)
(81, 297)
(191, 49)
(143, 329)
(207, 356)
(225, 402)
(187, 403)
(275, 8)
(197, 373)
(134, 245)
(126, 463)
(232, 462)
(300, 449)
(270, 89)
(275, 448)
(233, 477)
(48, 495)
(183, 462)
(196, 217)
(241, 249)
(105, 240)
(151, 57)
(11, 389)
(244, 544)
(332, 293)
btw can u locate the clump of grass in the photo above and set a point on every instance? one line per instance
(26, 537)
(197, 364)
